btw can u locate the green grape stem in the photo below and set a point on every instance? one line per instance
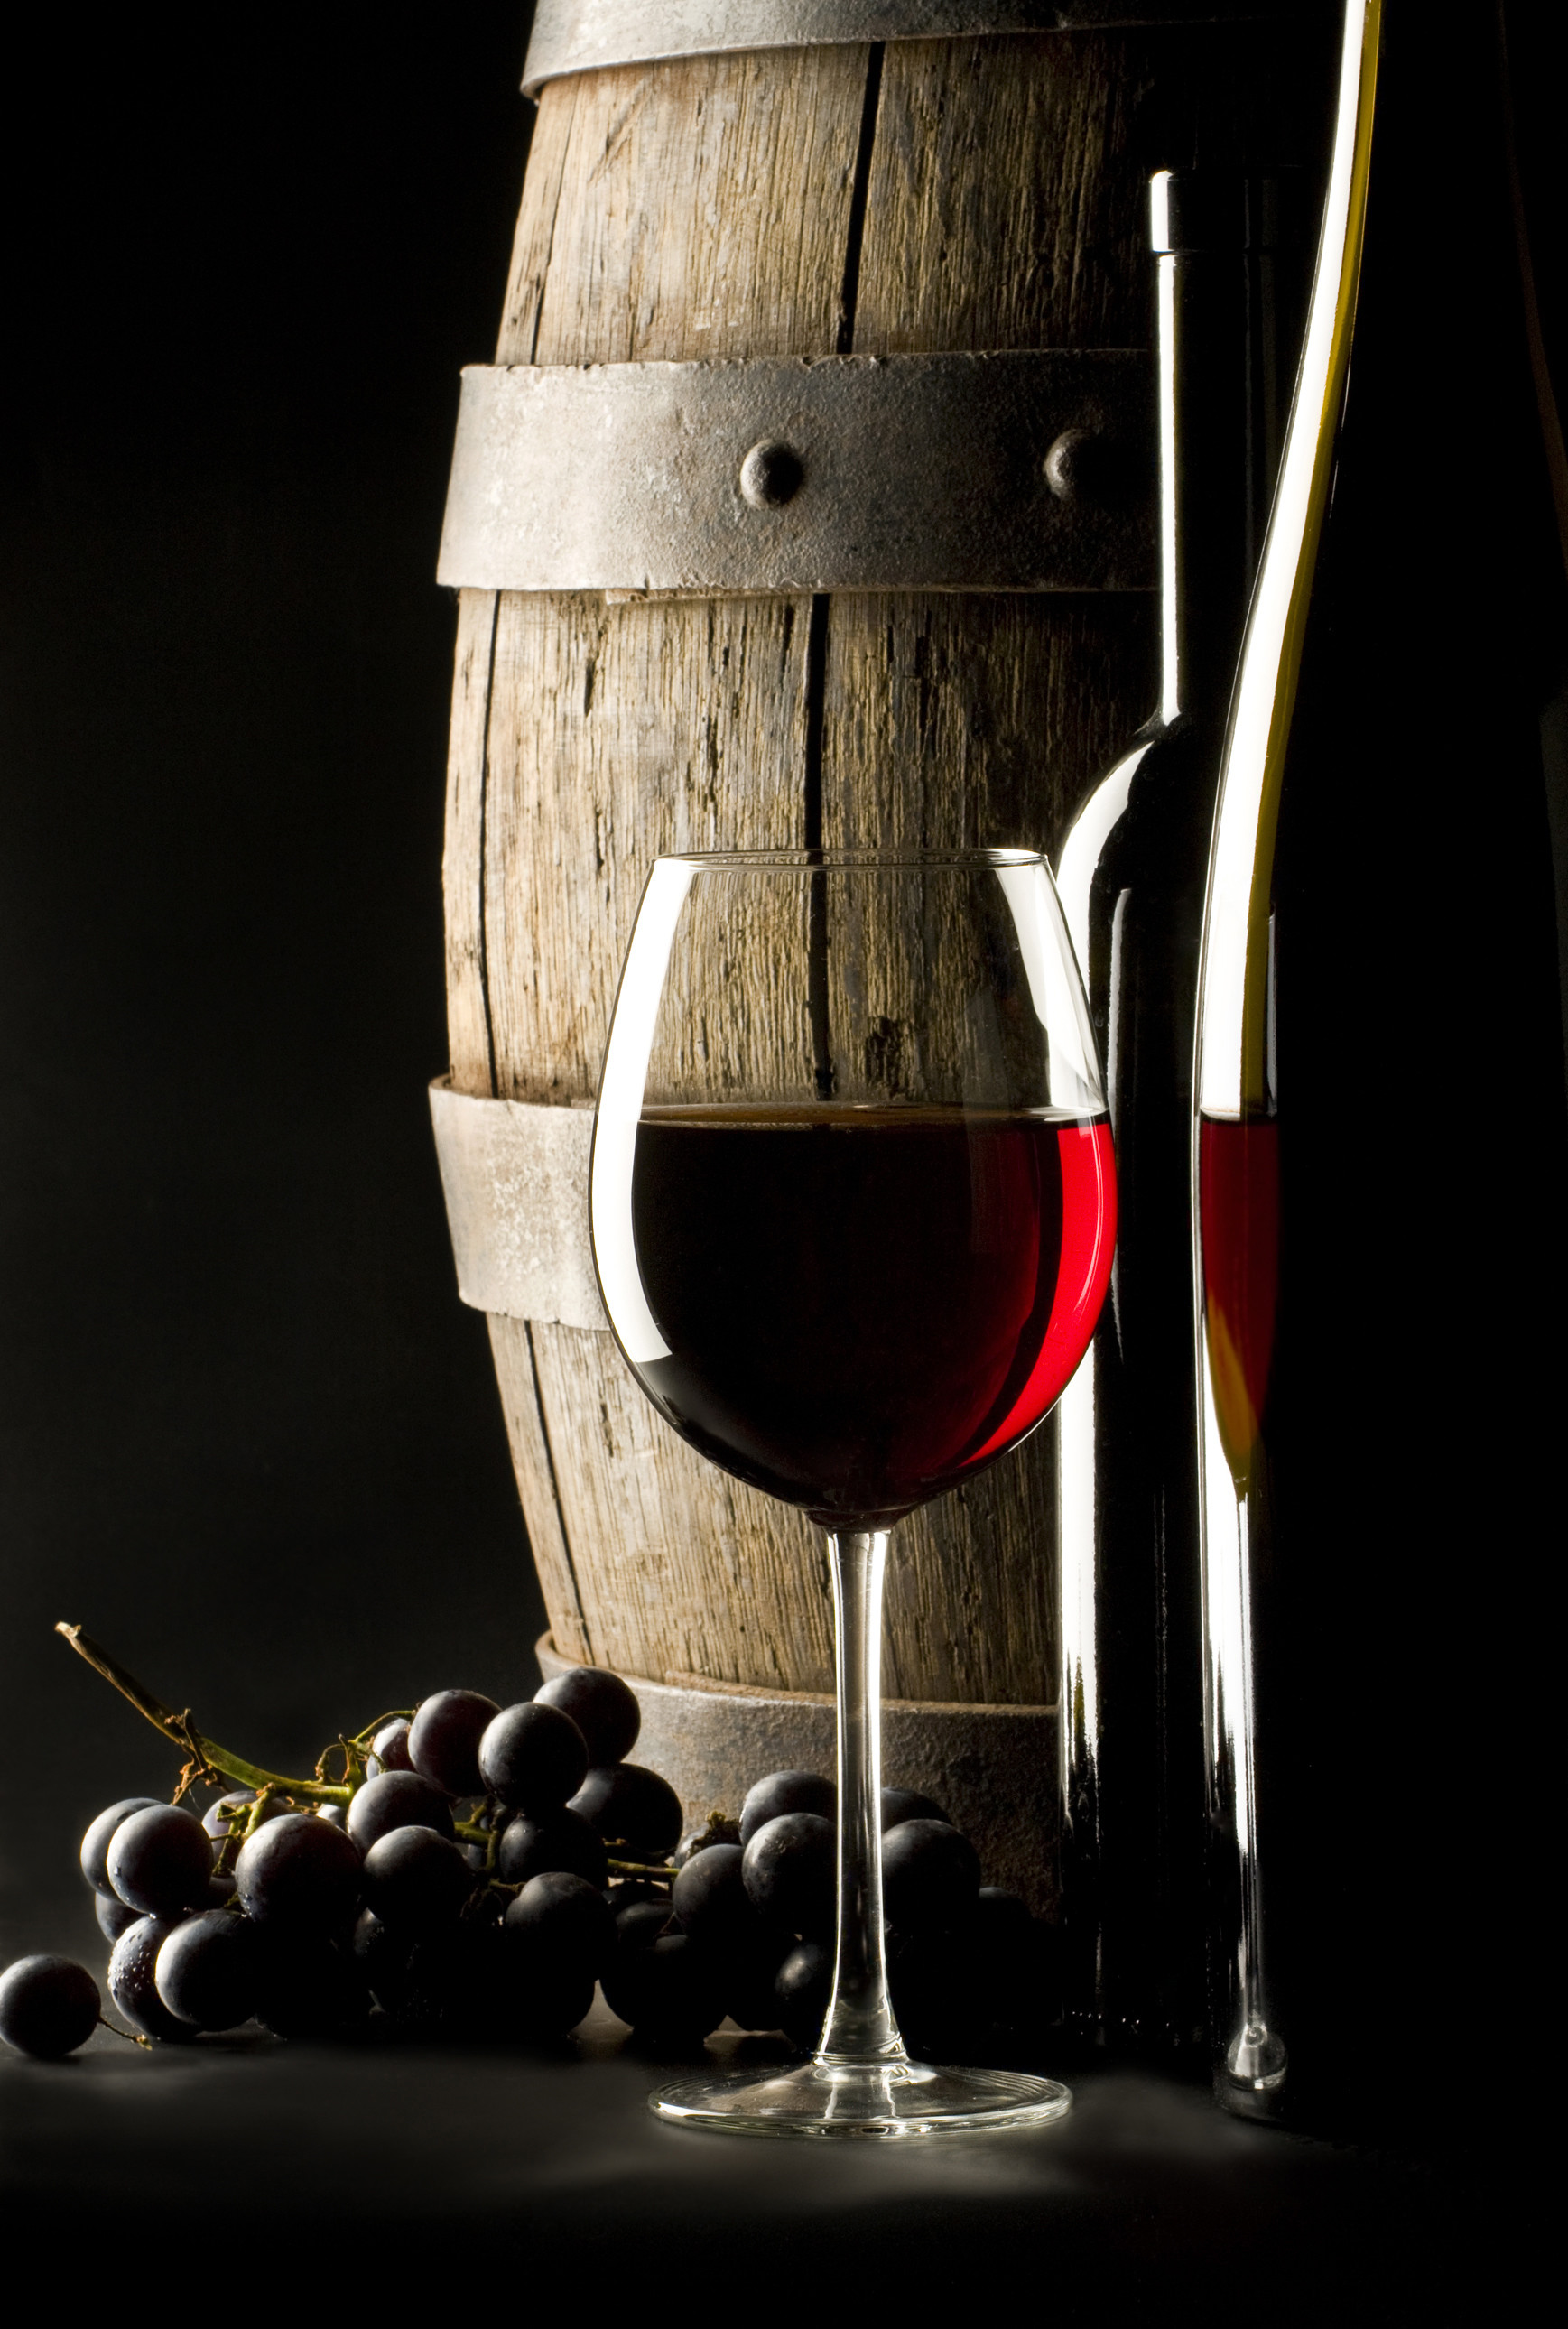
(207, 1761)
(132, 2037)
(205, 1755)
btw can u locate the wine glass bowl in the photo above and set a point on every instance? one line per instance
(852, 1211)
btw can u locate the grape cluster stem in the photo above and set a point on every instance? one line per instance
(204, 1755)
(207, 1761)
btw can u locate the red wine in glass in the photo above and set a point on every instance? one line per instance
(863, 1304)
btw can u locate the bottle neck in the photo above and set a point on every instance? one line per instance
(1217, 341)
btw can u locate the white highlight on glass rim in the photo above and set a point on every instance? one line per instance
(1247, 747)
(1085, 844)
(1055, 988)
(636, 1009)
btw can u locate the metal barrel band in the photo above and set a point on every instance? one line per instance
(993, 1769)
(514, 1177)
(1023, 470)
(573, 36)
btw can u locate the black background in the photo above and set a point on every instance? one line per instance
(251, 1440)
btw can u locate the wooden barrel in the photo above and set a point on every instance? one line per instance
(944, 194)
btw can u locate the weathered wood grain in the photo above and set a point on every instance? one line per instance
(704, 208)
(957, 722)
(1001, 210)
(512, 1348)
(618, 733)
(463, 858)
(533, 243)
(690, 1571)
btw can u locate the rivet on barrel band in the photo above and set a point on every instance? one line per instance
(1020, 470)
(573, 36)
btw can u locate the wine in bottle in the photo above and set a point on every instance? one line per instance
(1131, 881)
(1378, 1144)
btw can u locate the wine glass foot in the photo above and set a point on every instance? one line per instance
(852, 2098)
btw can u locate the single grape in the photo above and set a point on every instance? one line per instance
(667, 1988)
(231, 1811)
(49, 2006)
(389, 1750)
(334, 1814)
(207, 1970)
(307, 1987)
(414, 1879)
(786, 1791)
(444, 1739)
(603, 1707)
(930, 1875)
(562, 1842)
(160, 1860)
(94, 1843)
(114, 1918)
(532, 1757)
(790, 1873)
(397, 1799)
(635, 1810)
(801, 1989)
(133, 1981)
(298, 1873)
(220, 1889)
(901, 1804)
(561, 1919)
(638, 1923)
(708, 1896)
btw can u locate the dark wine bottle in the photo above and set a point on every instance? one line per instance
(1379, 1150)
(1131, 879)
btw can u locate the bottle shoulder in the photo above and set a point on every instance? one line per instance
(1148, 820)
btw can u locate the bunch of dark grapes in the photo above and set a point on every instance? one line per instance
(481, 1868)
(747, 1930)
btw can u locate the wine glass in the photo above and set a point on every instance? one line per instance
(853, 1208)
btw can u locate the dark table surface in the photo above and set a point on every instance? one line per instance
(387, 2156)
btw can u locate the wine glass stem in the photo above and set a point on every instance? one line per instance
(860, 2026)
